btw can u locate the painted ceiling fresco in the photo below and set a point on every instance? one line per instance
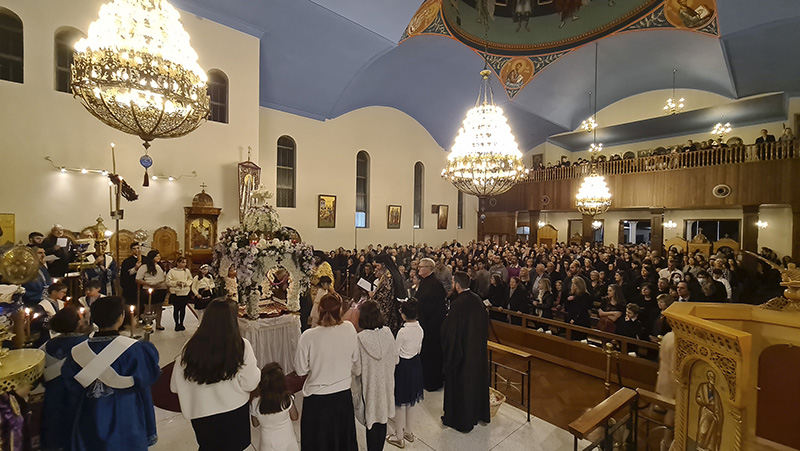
(520, 38)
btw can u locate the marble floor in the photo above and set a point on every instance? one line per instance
(508, 430)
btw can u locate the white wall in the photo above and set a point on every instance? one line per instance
(39, 121)
(778, 234)
(326, 164)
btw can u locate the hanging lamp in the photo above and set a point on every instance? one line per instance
(593, 196)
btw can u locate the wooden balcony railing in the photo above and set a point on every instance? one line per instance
(673, 161)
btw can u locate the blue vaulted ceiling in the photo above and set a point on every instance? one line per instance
(324, 58)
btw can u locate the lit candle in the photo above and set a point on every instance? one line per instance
(149, 299)
(81, 310)
(132, 308)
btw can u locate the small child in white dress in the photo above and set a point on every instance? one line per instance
(273, 410)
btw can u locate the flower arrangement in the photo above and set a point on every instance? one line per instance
(254, 256)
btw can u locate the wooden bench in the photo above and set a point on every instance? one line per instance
(497, 347)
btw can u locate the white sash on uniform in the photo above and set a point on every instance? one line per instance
(52, 365)
(98, 366)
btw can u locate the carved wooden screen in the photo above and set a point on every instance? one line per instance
(165, 240)
(125, 241)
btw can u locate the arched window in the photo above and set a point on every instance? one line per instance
(64, 47)
(419, 193)
(286, 175)
(11, 50)
(218, 96)
(362, 189)
(460, 210)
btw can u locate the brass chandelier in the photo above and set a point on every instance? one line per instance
(593, 196)
(485, 159)
(137, 71)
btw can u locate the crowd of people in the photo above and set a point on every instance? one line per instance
(381, 326)
(689, 146)
(618, 289)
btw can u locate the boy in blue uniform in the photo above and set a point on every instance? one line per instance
(108, 378)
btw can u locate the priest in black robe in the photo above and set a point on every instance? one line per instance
(465, 332)
(432, 311)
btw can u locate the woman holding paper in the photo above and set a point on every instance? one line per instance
(151, 277)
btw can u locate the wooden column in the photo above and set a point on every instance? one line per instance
(749, 228)
(621, 233)
(657, 230)
(533, 223)
(587, 233)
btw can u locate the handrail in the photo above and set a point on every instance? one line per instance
(624, 342)
(692, 159)
(656, 399)
(601, 413)
(494, 346)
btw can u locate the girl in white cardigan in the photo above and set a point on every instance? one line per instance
(374, 368)
(179, 281)
(213, 377)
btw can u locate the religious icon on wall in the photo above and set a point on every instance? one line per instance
(393, 219)
(424, 17)
(706, 414)
(692, 14)
(7, 222)
(516, 72)
(200, 234)
(249, 179)
(441, 222)
(326, 211)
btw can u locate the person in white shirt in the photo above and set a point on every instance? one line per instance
(273, 411)
(150, 276)
(179, 281)
(408, 383)
(327, 355)
(203, 290)
(213, 377)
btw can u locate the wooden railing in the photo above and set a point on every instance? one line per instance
(601, 415)
(524, 375)
(673, 161)
(625, 344)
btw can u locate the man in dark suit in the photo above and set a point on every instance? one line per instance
(684, 295)
(60, 266)
(765, 137)
(432, 311)
(465, 332)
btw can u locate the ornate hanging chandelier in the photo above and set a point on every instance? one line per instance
(674, 104)
(593, 196)
(485, 160)
(721, 130)
(137, 71)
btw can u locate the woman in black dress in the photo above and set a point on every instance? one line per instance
(518, 299)
(578, 305)
(497, 294)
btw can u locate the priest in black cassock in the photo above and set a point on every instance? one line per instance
(466, 370)
(432, 311)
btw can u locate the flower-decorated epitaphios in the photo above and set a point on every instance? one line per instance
(253, 253)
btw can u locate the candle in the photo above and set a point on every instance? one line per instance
(81, 310)
(149, 299)
(27, 322)
(132, 308)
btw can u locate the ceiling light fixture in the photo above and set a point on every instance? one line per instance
(485, 159)
(721, 130)
(674, 104)
(137, 72)
(593, 196)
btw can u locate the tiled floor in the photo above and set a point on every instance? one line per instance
(508, 430)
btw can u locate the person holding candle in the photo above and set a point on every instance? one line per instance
(108, 378)
(46, 309)
(179, 281)
(153, 281)
(56, 426)
(213, 377)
